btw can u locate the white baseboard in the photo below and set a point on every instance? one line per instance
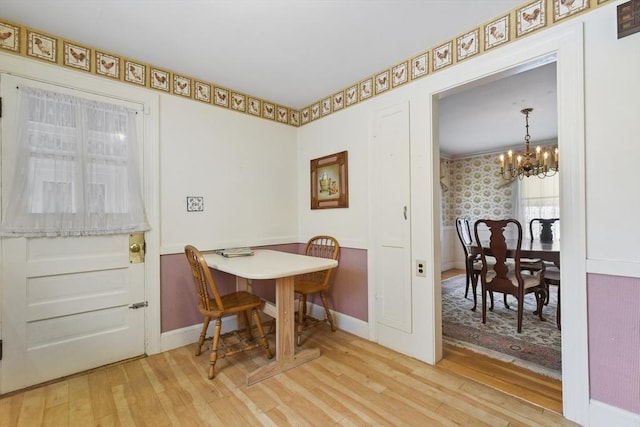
(447, 266)
(189, 335)
(603, 415)
(179, 337)
(459, 265)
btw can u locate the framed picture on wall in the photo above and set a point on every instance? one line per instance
(329, 182)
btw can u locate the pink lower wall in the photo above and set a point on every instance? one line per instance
(614, 340)
(178, 300)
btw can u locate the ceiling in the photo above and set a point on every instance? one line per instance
(294, 52)
(486, 116)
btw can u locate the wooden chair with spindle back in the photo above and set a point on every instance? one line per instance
(315, 283)
(213, 305)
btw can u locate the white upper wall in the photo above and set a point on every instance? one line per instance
(333, 134)
(243, 167)
(612, 88)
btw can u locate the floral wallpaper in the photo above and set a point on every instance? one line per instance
(473, 189)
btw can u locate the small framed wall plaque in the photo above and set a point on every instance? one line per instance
(329, 182)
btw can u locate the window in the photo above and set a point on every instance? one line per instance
(76, 168)
(538, 198)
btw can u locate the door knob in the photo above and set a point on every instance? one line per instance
(136, 247)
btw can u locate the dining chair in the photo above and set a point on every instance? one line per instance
(315, 283)
(213, 305)
(552, 274)
(546, 230)
(472, 262)
(504, 274)
(552, 277)
(546, 235)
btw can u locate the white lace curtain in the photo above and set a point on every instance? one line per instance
(76, 168)
(538, 198)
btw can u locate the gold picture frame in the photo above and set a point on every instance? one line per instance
(496, 32)
(77, 56)
(329, 181)
(10, 37)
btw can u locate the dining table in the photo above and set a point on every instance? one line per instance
(546, 251)
(529, 248)
(283, 267)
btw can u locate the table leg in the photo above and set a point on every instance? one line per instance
(286, 356)
(242, 284)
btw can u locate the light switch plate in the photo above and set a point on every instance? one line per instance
(195, 204)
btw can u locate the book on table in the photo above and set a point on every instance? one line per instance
(235, 252)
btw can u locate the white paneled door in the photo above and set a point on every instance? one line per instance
(66, 302)
(390, 183)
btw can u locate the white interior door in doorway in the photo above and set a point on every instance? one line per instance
(65, 301)
(390, 183)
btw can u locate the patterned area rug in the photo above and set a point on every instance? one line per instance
(538, 347)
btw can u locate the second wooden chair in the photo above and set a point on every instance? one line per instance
(315, 283)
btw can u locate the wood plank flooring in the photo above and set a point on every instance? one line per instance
(506, 377)
(354, 383)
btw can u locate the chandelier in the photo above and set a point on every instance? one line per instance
(541, 163)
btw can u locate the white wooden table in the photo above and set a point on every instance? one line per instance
(282, 266)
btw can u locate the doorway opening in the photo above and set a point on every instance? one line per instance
(477, 121)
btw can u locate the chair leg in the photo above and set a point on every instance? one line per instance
(323, 297)
(541, 297)
(484, 304)
(474, 287)
(263, 338)
(558, 310)
(546, 286)
(214, 348)
(203, 335)
(520, 309)
(302, 305)
(468, 274)
(506, 305)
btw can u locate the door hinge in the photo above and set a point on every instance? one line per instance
(139, 305)
(0, 107)
(0, 349)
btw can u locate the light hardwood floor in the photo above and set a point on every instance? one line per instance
(506, 377)
(354, 382)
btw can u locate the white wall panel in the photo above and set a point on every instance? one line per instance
(613, 148)
(243, 167)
